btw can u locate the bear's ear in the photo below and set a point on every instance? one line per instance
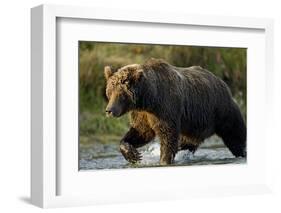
(108, 71)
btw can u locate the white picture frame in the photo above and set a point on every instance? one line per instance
(46, 165)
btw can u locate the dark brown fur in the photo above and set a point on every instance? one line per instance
(182, 106)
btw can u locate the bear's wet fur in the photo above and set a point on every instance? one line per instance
(182, 106)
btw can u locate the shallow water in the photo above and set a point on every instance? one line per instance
(107, 155)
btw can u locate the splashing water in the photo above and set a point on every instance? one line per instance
(107, 156)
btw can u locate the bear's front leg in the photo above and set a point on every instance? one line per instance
(129, 152)
(169, 145)
(134, 139)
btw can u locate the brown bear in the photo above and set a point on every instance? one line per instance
(182, 106)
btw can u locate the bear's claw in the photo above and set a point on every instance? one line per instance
(130, 153)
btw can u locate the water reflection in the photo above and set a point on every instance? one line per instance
(107, 156)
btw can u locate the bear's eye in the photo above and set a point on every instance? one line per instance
(126, 82)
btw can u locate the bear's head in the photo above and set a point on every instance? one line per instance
(121, 88)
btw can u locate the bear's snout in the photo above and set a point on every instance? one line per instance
(112, 111)
(108, 112)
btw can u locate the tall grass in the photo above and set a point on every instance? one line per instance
(227, 63)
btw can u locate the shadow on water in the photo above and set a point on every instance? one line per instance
(107, 155)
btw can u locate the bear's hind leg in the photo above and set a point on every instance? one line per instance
(235, 144)
(233, 132)
(187, 143)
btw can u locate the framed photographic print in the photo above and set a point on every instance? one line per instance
(130, 106)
